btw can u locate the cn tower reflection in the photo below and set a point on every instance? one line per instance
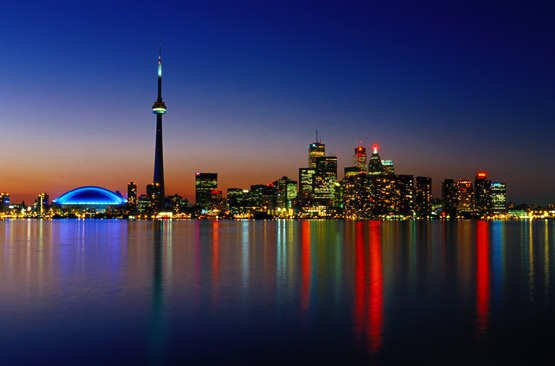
(369, 287)
(161, 232)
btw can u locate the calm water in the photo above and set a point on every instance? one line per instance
(275, 292)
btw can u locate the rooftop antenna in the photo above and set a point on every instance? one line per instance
(316, 135)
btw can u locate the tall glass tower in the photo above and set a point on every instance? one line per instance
(159, 109)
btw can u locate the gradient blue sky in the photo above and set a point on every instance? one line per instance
(445, 88)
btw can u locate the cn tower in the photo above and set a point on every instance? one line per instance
(159, 109)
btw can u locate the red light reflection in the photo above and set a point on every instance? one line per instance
(305, 266)
(482, 277)
(369, 289)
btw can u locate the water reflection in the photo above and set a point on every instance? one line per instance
(482, 278)
(305, 267)
(369, 287)
(157, 317)
(319, 291)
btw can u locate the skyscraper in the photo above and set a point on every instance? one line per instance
(388, 168)
(375, 164)
(204, 184)
(499, 197)
(325, 177)
(450, 198)
(403, 197)
(482, 194)
(356, 196)
(359, 158)
(315, 150)
(42, 203)
(466, 196)
(306, 180)
(423, 197)
(159, 108)
(132, 194)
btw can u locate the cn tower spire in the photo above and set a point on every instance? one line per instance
(159, 74)
(159, 108)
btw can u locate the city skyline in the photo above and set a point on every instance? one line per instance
(444, 91)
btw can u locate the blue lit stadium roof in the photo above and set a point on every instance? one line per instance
(90, 196)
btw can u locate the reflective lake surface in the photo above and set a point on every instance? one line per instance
(276, 292)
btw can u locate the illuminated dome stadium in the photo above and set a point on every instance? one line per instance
(90, 197)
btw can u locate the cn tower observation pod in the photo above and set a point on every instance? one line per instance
(90, 197)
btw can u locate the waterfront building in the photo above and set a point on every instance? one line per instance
(287, 192)
(306, 181)
(356, 196)
(450, 198)
(382, 188)
(263, 198)
(359, 158)
(237, 200)
(217, 201)
(375, 166)
(42, 204)
(499, 197)
(132, 194)
(154, 193)
(465, 196)
(325, 177)
(144, 205)
(176, 203)
(159, 108)
(204, 184)
(403, 195)
(4, 202)
(423, 197)
(482, 194)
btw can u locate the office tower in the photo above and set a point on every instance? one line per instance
(287, 192)
(465, 196)
(159, 108)
(423, 197)
(382, 192)
(237, 200)
(499, 197)
(132, 194)
(176, 203)
(217, 201)
(42, 203)
(325, 177)
(482, 194)
(306, 181)
(4, 202)
(375, 164)
(359, 158)
(263, 197)
(154, 194)
(144, 205)
(204, 184)
(387, 166)
(315, 150)
(450, 198)
(356, 196)
(403, 195)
